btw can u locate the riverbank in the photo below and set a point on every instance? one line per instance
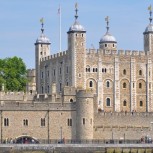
(76, 148)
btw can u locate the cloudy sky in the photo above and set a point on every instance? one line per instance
(20, 24)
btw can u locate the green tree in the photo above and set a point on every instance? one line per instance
(13, 74)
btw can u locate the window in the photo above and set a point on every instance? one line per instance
(91, 84)
(42, 89)
(42, 121)
(113, 45)
(6, 122)
(69, 122)
(76, 35)
(54, 72)
(108, 102)
(83, 121)
(124, 72)
(124, 85)
(71, 100)
(48, 74)
(25, 122)
(140, 72)
(48, 89)
(133, 85)
(82, 35)
(140, 85)
(67, 83)
(124, 103)
(60, 86)
(105, 45)
(88, 69)
(141, 103)
(107, 84)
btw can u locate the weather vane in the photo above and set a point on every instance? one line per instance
(76, 10)
(150, 11)
(42, 24)
(107, 21)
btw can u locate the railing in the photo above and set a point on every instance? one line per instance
(82, 141)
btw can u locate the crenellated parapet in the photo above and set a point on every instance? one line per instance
(117, 52)
(54, 56)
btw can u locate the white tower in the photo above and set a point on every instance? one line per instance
(42, 49)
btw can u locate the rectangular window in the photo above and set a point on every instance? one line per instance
(69, 122)
(6, 122)
(42, 121)
(83, 121)
(25, 122)
(54, 72)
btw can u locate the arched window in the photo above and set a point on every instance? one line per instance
(91, 84)
(48, 89)
(124, 72)
(124, 103)
(108, 102)
(140, 85)
(124, 85)
(102, 69)
(140, 72)
(71, 100)
(105, 70)
(141, 103)
(108, 84)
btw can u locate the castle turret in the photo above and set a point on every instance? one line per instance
(108, 42)
(42, 49)
(84, 115)
(148, 34)
(77, 48)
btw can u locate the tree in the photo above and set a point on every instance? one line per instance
(13, 74)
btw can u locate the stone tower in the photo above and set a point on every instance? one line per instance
(84, 115)
(77, 48)
(108, 42)
(42, 49)
(148, 35)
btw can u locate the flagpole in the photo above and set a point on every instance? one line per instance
(60, 28)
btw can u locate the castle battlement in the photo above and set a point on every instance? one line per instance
(54, 56)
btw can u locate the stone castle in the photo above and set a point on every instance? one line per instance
(84, 94)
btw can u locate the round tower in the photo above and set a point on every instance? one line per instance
(108, 42)
(148, 34)
(42, 49)
(84, 114)
(77, 49)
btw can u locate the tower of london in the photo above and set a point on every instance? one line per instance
(84, 94)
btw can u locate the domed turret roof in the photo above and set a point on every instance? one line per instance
(149, 28)
(107, 38)
(42, 39)
(76, 27)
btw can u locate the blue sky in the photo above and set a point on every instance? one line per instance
(20, 26)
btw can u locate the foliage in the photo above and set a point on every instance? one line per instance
(13, 74)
